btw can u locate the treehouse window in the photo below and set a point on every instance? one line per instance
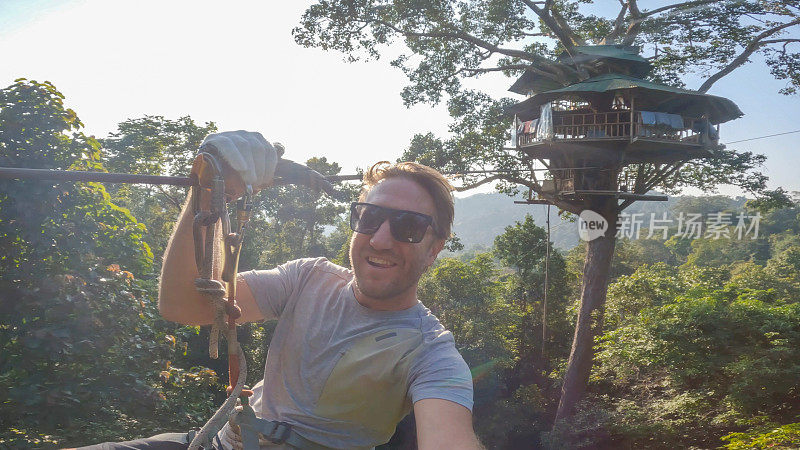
(571, 105)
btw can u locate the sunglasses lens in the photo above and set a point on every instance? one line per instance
(409, 227)
(365, 218)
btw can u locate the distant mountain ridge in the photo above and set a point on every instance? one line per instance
(480, 218)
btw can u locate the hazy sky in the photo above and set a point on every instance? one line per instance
(235, 63)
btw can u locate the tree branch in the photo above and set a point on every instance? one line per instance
(555, 77)
(459, 34)
(636, 24)
(508, 67)
(567, 29)
(176, 202)
(677, 5)
(563, 204)
(776, 41)
(565, 36)
(618, 23)
(754, 45)
(658, 179)
(559, 77)
(638, 17)
(478, 183)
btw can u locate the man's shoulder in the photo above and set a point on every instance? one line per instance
(320, 265)
(436, 338)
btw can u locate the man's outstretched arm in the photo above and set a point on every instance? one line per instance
(248, 161)
(443, 424)
(178, 300)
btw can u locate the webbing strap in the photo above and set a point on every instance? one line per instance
(250, 427)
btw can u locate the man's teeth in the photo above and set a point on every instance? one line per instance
(379, 261)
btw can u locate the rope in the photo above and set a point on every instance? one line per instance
(215, 291)
(225, 310)
(204, 436)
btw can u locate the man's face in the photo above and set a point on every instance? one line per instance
(386, 270)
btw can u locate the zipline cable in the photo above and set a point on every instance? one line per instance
(762, 137)
(546, 282)
(108, 177)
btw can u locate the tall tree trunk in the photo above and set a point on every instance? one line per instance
(596, 271)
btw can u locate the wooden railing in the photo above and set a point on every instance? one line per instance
(592, 126)
(613, 125)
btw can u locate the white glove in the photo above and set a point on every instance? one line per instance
(248, 153)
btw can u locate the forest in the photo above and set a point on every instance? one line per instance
(700, 347)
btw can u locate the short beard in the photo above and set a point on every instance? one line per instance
(387, 292)
(392, 290)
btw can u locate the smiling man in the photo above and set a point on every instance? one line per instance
(354, 351)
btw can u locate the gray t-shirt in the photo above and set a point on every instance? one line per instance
(342, 374)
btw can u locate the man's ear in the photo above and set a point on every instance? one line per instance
(436, 247)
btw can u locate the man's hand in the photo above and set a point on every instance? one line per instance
(248, 160)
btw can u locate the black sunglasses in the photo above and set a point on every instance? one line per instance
(405, 226)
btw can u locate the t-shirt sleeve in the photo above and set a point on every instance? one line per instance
(441, 372)
(272, 289)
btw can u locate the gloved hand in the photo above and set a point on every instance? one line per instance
(251, 157)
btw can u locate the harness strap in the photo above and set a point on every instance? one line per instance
(251, 427)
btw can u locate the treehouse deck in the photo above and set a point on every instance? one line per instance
(641, 136)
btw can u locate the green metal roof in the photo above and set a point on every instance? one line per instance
(626, 58)
(624, 52)
(529, 81)
(613, 81)
(602, 58)
(653, 96)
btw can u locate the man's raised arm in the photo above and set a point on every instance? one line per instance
(249, 161)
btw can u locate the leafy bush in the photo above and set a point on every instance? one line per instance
(783, 437)
(698, 353)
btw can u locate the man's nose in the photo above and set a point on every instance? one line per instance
(382, 239)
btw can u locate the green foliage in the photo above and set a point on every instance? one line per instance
(783, 437)
(153, 145)
(691, 353)
(289, 222)
(718, 252)
(774, 200)
(465, 297)
(584, 430)
(82, 342)
(647, 287)
(53, 227)
(496, 318)
(698, 349)
(83, 351)
(523, 248)
(449, 41)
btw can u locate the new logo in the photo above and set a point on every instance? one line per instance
(591, 225)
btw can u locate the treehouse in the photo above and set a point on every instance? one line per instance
(608, 117)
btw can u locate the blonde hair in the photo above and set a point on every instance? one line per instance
(437, 186)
